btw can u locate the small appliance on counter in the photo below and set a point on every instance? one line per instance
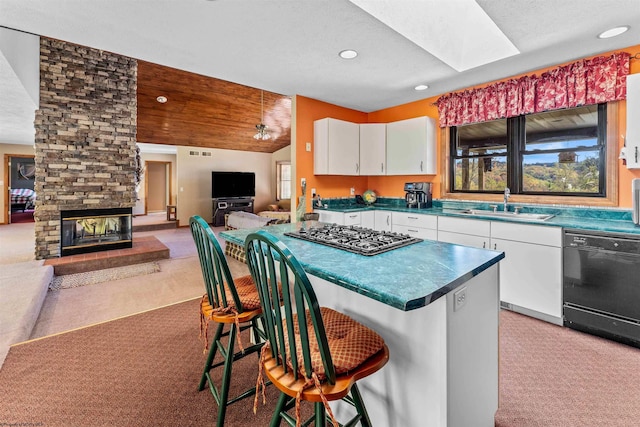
(635, 188)
(418, 195)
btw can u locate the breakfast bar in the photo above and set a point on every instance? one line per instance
(435, 304)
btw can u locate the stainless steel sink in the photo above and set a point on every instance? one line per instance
(513, 215)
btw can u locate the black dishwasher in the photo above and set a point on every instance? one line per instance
(601, 285)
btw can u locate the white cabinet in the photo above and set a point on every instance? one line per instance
(632, 150)
(373, 148)
(462, 231)
(382, 220)
(531, 273)
(330, 217)
(336, 147)
(411, 147)
(367, 219)
(351, 218)
(416, 225)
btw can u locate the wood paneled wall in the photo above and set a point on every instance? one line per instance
(207, 112)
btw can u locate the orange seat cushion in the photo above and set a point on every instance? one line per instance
(350, 342)
(247, 292)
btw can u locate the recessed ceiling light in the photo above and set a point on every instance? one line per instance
(348, 54)
(421, 87)
(612, 32)
(162, 99)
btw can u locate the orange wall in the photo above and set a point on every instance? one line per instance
(308, 110)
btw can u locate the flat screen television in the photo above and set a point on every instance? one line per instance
(232, 184)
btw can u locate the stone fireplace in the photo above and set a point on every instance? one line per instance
(85, 143)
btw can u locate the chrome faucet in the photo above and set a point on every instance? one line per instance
(507, 193)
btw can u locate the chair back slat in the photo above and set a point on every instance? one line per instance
(215, 271)
(264, 252)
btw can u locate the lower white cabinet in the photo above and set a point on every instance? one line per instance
(531, 272)
(462, 231)
(416, 225)
(382, 220)
(330, 217)
(367, 219)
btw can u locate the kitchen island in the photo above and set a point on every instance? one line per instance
(443, 368)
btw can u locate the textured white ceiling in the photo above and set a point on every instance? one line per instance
(291, 46)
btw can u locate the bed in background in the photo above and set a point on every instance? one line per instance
(22, 199)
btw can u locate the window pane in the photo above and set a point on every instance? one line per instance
(564, 172)
(481, 174)
(556, 130)
(482, 138)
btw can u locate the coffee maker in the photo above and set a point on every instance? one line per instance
(418, 194)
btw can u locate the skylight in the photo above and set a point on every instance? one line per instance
(473, 41)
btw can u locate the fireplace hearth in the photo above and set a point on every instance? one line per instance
(93, 230)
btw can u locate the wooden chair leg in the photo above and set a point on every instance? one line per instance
(226, 376)
(210, 357)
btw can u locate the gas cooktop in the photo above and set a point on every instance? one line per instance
(359, 240)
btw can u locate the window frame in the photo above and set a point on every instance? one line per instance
(279, 180)
(609, 157)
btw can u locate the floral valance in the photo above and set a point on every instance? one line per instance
(584, 82)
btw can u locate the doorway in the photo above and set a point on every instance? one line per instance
(20, 197)
(157, 186)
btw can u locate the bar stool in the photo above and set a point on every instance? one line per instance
(332, 350)
(229, 303)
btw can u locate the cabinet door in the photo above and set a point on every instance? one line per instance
(531, 276)
(373, 148)
(421, 233)
(336, 147)
(414, 220)
(367, 219)
(351, 218)
(330, 217)
(382, 220)
(411, 147)
(463, 239)
(632, 150)
(475, 227)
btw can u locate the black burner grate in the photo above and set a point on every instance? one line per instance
(359, 240)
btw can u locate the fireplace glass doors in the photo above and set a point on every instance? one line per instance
(92, 230)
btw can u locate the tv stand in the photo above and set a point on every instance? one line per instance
(221, 207)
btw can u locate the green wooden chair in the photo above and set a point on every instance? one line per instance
(332, 350)
(229, 303)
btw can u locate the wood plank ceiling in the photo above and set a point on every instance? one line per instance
(206, 112)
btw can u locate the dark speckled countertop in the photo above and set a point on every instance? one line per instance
(406, 278)
(580, 218)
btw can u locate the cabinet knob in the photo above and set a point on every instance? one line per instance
(388, 219)
(484, 245)
(421, 164)
(381, 167)
(357, 167)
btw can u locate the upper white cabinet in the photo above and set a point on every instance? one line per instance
(373, 148)
(632, 150)
(336, 147)
(411, 147)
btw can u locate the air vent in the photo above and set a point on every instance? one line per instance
(194, 153)
(206, 153)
